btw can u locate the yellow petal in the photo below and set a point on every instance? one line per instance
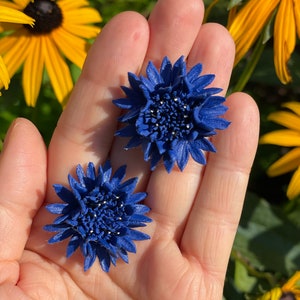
(9, 4)
(33, 71)
(14, 16)
(284, 137)
(284, 39)
(286, 163)
(71, 4)
(287, 119)
(73, 47)
(297, 16)
(22, 3)
(84, 15)
(57, 69)
(248, 24)
(84, 31)
(292, 284)
(293, 106)
(274, 294)
(4, 77)
(16, 55)
(293, 189)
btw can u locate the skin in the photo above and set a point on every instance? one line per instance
(195, 213)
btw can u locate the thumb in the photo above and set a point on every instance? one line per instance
(22, 186)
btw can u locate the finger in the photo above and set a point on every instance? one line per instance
(86, 128)
(214, 218)
(174, 26)
(215, 49)
(172, 195)
(22, 186)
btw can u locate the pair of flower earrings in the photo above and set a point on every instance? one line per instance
(170, 113)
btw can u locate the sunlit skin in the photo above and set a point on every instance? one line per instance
(195, 213)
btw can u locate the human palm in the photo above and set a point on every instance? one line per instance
(195, 212)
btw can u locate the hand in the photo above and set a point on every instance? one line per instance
(195, 212)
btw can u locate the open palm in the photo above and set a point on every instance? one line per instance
(195, 212)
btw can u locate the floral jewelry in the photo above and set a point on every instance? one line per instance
(171, 112)
(99, 214)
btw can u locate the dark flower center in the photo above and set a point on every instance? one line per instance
(47, 15)
(168, 118)
(103, 216)
(288, 296)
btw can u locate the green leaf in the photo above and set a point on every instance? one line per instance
(243, 281)
(267, 238)
(233, 3)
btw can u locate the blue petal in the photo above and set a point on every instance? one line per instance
(137, 235)
(89, 257)
(91, 171)
(127, 244)
(137, 197)
(63, 193)
(153, 74)
(104, 258)
(118, 176)
(56, 208)
(182, 154)
(60, 236)
(80, 175)
(74, 243)
(194, 72)
(197, 153)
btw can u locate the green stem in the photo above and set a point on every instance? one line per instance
(250, 66)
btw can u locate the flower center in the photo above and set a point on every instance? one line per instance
(167, 118)
(288, 296)
(102, 217)
(47, 15)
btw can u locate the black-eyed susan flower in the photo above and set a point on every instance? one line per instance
(289, 291)
(289, 137)
(172, 113)
(61, 29)
(99, 215)
(10, 15)
(250, 21)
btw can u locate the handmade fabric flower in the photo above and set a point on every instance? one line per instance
(171, 113)
(61, 30)
(99, 214)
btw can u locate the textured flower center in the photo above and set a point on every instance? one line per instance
(47, 15)
(167, 118)
(288, 296)
(103, 216)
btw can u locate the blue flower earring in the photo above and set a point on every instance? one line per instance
(171, 113)
(99, 215)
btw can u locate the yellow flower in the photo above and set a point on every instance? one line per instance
(61, 29)
(289, 291)
(12, 16)
(289, 137)
(249, 24)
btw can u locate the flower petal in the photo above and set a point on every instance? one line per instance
(57, 69)
(284, 137)
(288, 162)
(284, 39)
(33, 71)
(294, 186)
